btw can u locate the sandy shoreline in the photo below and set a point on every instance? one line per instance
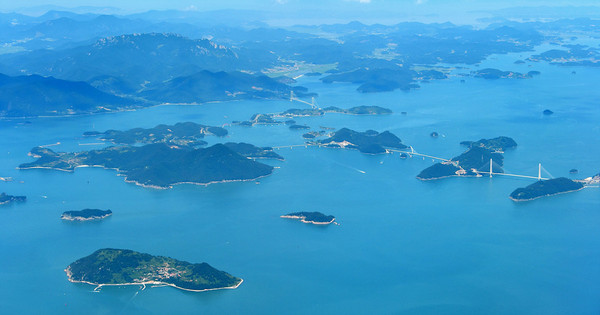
(303, 219)
(76, 218)
(100, 285)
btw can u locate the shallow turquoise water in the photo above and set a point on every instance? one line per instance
(403, 246)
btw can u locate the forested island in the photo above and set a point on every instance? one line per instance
(473, 161)
(310, 217)
(5, 199)
(183, 133)
(544, 188)
(570, 55)
(111, 267)
(357, 110)
(499, 143)
(370, 141)
(381, 80)
(86, 215)
(252, 151)
(270, 119)
(158, 165)
(493, 74)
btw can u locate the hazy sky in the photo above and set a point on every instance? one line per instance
(434, 5)
(287, 12)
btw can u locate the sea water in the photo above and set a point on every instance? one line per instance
(402, 246)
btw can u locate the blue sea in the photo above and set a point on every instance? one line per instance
(402, 246)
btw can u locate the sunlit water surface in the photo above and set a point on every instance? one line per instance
(403, 246)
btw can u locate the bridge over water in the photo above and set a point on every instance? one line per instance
(492, 165)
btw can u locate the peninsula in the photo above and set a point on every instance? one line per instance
(86, 215)
(158, 165)
(544, 188)
(370, 141)
(310, 217)
(114, 267)
(5, 199)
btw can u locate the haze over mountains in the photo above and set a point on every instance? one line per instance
(193, 57)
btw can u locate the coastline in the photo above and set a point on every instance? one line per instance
(434, 178)
(81, 219)
(100, 285)
(548, 195)
(303, 219)
(120, 173)
(133, 108)
(447, 176)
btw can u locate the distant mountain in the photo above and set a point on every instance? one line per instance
(210, 86)
(134, 58)
(205, 18)
(33, 95)
(68, 30)
(15, 19)
(80, 30)
(57, 14)
(377, 80)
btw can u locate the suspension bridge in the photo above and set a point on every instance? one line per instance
(491, 172)
(413, 152)
(492, 165)
(312, 104)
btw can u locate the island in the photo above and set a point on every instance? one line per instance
(183, 133)
(367, 110)
(370, 141)
(357, 110)
(572, 55)
(313, 134)
(547, 112)
(263, 119)
(158, 165)
(493, 74)
(86, 215)
(302, 112)
(474, 161)
(381, 80)
(5, 199)
(497, 144)
(299, 127)
(544, 188)
(252, 151)
(270, 119)
(116, 267)
(310, 217)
